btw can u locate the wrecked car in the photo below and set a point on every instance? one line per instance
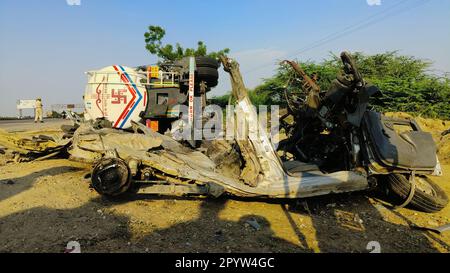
(335, 130)
(352, 150)
(335, 145)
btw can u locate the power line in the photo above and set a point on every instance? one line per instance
(345, 31)
(350, 29)
(355, 29)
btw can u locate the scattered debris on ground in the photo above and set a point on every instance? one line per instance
(49, 205)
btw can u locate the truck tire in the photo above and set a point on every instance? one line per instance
(212, 84)
(206, 62)
(428, 196)
(209, 75)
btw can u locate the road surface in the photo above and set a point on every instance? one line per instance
(29, 125)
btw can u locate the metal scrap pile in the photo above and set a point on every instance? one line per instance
(29, 146)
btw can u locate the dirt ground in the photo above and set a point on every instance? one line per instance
(44, 205)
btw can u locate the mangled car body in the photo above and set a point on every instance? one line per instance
(350, 149)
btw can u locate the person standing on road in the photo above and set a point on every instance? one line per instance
(38, 111)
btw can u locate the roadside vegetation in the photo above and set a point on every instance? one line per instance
(406, 82)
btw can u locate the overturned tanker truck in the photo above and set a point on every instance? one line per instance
(335, 143)
(117, 95)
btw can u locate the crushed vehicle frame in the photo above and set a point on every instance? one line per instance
(142, 160)
(179, 171)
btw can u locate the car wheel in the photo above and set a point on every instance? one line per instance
(111, 177)
(428, 196)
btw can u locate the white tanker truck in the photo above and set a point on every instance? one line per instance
(117, 95)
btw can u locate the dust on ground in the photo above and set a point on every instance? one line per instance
(44, 205)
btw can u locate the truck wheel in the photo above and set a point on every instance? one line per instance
(111, 177)
(428, 196)
(207, 73)
(212, 84)
(206, 62)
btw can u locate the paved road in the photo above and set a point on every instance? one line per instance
(28, 125)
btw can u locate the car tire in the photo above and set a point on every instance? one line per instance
(428, 196)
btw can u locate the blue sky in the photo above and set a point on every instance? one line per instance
(46, 46)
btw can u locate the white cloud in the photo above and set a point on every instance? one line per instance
(373, 2)
(73, 2)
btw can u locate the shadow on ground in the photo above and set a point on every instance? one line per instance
(336, 223)
(12, 186)
(336, 229)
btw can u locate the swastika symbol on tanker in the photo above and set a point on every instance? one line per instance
(118, 97)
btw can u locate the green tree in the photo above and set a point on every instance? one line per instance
(153, 43)
(221, 101)
(404, 80)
